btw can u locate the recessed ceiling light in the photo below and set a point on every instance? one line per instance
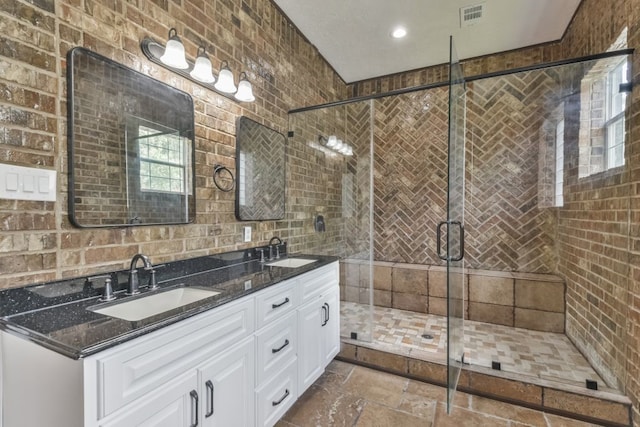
(399, 32)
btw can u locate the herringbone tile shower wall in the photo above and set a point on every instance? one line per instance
(506, 230)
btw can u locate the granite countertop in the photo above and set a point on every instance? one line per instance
(56, 316)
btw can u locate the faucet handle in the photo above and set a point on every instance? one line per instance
(153, 283)
(107, 295)
(261, 250)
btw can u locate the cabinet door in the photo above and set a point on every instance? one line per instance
(310, 342)
(331, 328)
(174, 405)
(227, 384)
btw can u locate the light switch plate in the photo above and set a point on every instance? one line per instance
(22, 183)
(247, 234)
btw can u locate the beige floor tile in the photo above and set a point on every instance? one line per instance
(348, 396)
(436, 393)
(418, 406)
(505, 410)
(375, 415)
(340, 368)
(375, 386)
(460, 417)
(321, 407)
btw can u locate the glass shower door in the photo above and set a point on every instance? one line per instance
(455, 226)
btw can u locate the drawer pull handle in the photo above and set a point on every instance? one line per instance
(277, 402)
(286, 300)
(209, 386)
(194, 408)
(276, 350)
(325, 314)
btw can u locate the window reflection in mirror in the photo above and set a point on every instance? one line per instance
(131, 150)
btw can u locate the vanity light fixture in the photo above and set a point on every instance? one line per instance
(199, 72)
(336, 145)
(202, 69)
(225, 81)
(245, 91)
(174, 52)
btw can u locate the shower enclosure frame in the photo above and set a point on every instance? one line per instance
(442, 84)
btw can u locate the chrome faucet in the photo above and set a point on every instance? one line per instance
(274, 242)
(133, 284)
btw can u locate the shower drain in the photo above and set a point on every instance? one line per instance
(427, 336)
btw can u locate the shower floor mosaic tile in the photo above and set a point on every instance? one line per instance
(544, 355)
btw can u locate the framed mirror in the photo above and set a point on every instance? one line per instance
(131, 147)
(260, 169)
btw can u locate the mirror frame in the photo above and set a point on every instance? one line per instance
(189, 134)
(276, 212)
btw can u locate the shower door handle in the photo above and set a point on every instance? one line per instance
(439, 238)
(459, 224)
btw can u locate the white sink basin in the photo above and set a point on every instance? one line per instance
(291, 262)
(141, 308)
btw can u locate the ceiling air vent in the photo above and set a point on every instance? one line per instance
(471, 15)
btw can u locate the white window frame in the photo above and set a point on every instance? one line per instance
(163, 169)
(559, 169)
(615, 116)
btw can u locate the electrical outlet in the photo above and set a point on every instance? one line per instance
(247, 234)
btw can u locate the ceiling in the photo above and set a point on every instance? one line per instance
(354, 35)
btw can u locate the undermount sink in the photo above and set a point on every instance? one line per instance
(147, 306)
(291, 262)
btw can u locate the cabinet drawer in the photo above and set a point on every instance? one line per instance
(133, 369)
(275, 397)
(275, 302)
(317, 281)
(277, 346)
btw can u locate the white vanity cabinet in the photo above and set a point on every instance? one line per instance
(242, 364)
(277, 352)
(216, 393)
(155, 380)
(318, 323)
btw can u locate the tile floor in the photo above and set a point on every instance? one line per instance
(350, 395)
(543, 355)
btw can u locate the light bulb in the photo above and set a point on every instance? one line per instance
(174, 52)
(332, 141)
(202, 70)
(225, 81)
(245, 91)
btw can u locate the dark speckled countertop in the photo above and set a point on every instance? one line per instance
(55, 314)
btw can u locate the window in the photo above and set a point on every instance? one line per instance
(614, 116)
(603, 98)
(162, 161)
(559, 170)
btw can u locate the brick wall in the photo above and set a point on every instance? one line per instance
(598, 226)
(37, 242)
